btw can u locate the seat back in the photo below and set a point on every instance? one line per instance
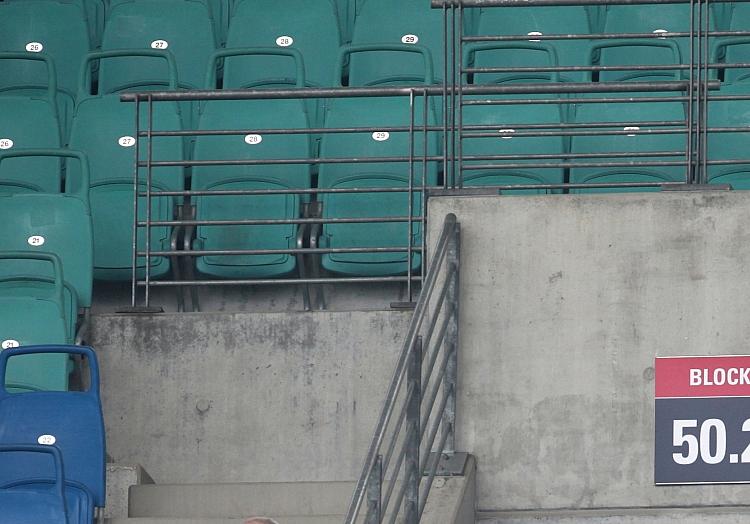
(733, 51)
(729, 145)
(56, 28)
(629, 133)
(57, 223)
(631, 52)
(182, 27)
(407, 22)
(538, 20)
(260, 147)
(269, 23)
(71, 420)
(33, 506)
(103, 128)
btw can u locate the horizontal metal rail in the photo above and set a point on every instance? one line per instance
(597, 36)
(279, 281)
(279, 221)
(290, 251)
(549, 3)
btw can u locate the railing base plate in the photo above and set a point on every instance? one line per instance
(403, 305)
(450, 465)
(140, 310)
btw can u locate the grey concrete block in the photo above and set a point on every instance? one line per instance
(119, 479)
(565, 302)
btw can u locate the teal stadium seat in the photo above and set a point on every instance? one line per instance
(539, 20)
(218, 11)
(258, 146)
(632, 53)
(29, 122)
(647, 19)
(729, 146)
(34, 312)
(103, 128)
(408, 22)
(628, 117)
(182, 27)
(734, 51)
(377, 113)
(55, 28)
(508, 122)
(58, 223)
(270, 23)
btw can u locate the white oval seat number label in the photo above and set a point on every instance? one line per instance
(284, 41)
(409, 39)
(159, 44)
(36, 240)
(46, 440)
(6, 143)
(34, 47)
(506, 133)
(631, 128)
(253, 140)
(126, 141)
(381, 136)
(534, 33)
(659, 32)
(9, 344)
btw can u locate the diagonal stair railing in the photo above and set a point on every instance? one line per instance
(405, 452)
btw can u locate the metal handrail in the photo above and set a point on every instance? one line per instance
(414, 414)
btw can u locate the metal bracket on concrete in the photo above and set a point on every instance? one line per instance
(698, 187)
(140, 310)
(403, 305)
(450, 465)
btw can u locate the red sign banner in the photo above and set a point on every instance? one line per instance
(703, 377)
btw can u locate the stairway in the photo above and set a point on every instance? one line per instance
(288, 503)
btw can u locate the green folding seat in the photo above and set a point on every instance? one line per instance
(53, 27)
(372, 113)
(183, 27)
(251, 114)
(646, 19)
(729, 146)
(534, 21)
(103, 129)
(29, 122)
(34, 312)
(407, 22)
(508, 123)
(627, 117)
(58, 223)
(270, 23)
(734, 51)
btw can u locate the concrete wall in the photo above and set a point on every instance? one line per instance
(245, 397)
(566, 300)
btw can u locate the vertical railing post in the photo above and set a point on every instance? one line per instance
(374, 493)
(451, 337)
(412, 473)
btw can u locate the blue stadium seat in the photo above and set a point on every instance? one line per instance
(542, 20)
(53, 27)
(30, 505)
(372, 113)
(183, 27)
(407, 22)
(58, 223)
(102, 128)
(70, 420)
(251, 114)
(627, 117)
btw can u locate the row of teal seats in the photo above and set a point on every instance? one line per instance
(52, 443)
(645, 133)
(46, 266)
(103, 127)
(182, 27)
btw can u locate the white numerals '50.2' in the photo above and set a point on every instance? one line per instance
(712, 430)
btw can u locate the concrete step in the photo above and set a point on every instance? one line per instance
(705, 515)
(240, 500)
(325, 519)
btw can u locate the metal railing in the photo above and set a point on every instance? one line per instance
(405, 450)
